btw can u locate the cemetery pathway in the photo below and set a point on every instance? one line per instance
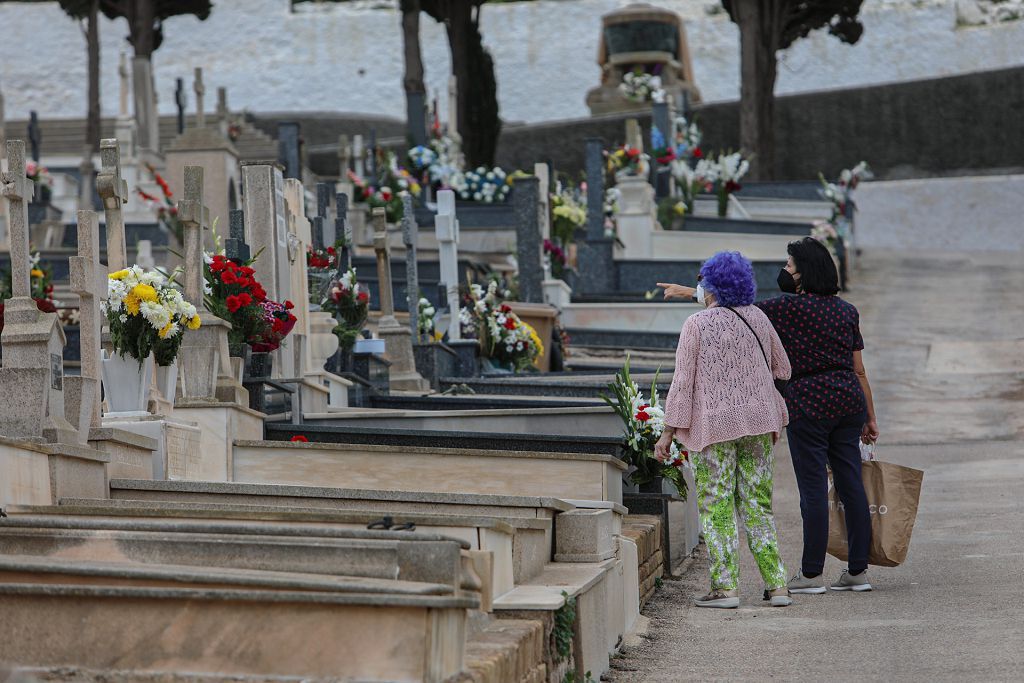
(946, 361)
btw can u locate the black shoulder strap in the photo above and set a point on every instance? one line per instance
(759, 344)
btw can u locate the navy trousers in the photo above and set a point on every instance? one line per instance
(813, 444)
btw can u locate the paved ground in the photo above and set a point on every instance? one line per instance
(946, 359)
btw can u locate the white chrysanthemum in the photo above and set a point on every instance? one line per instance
(123, 317)
(155, 314)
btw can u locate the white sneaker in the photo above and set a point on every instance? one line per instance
(722, 599)
(849, 582)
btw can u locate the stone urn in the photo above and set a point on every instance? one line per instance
(259, 365)
(126, 383)
(323, 343)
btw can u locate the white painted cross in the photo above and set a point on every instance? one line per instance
(446, 228)
(89, 282)
(544, 209)
(113, 189)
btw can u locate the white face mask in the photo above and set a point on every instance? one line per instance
(700, 294)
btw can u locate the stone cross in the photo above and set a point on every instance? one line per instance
(529, 248)
(89, 282)
(235, 247)
(328, 227)
(383, 251)
(114, 191)
(288, 149)
(179, 101)
(594, 165)
(195, 218)
(359, 156)
(410, 235)
(222, 110)
(343, 230)
(200, 90)
(344, 157)
(87, 176)
(446, 228)
(634, 136)
(18, 190)
(34, 135)
(144, 255)
(543, 173)
(122, 75)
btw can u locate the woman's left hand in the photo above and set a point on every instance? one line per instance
(664, 446)
(869, 434)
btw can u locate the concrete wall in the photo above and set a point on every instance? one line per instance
(348, 56)
(951, 214)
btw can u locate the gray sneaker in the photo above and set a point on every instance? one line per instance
(849, 582)
(778, 597)
(720, 598)
(801, 584)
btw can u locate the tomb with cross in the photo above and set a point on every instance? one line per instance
(32, 377)
(113, 190)
(89, 282)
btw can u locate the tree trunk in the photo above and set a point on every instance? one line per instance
(759, 39)
(92, 36)
(143, 34)
(415, 90)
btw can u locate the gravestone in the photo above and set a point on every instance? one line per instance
(289, 156)
(32, 376)
(89, 282)
(596, 260)
(204, 352)
(529, 248)
(200, 90)
(87, 177)
(358, 156)
(235, 247)
(344, 157)
(324, 194)
(446, 229)
(397, 339)
(5, 242)
(453, 121)
(144, 255)
(343, 230)
(410, 233)
(113, 190)
(556, 291)
(222, 111)
(181, 103)
(34, 136)
(298, 239)
(146, 119)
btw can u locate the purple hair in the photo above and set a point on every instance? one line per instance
(730, 277)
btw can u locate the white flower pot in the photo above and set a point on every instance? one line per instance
(126, 383)
(167, 380)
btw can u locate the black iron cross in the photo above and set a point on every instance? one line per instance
(34, 135)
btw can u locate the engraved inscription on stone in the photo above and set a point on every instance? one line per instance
(57, 372)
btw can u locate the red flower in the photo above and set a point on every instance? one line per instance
(244, 300)
(697, 153)
(300, 438)
(330, 250)
(258, 292)
(510, 324)
(643, 416)
(363, 297)
(228, 278)
(145, 195)
(246, 270)
(288, 304)
(234, 303)
(505, 308)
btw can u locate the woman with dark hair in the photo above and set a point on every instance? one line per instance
(830, 407)
(723, 406)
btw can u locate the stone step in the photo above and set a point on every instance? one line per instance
(587, 476)
(584, 387)
(234, 632)
(158, 536)
(477, 401)
(325, 432)
(597, 420)
(624, 340)
(508, 651)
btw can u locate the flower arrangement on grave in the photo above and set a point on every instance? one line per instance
(279, 321)
(639, 86)
(671, 211)
(851, 177)
(38, 174)
(826, 233)
(438, 162)
(627, 161)
(349, 302)
(321, 259)
(165, 208)
(557, 258)
(643, 421)
(688, 137)
(481, 185)
(146, 314)
(426, 320)
(232, 293)
(568, 214)
(722, 175)
(41, 283)
(612, 197)
(504, 338)
(375, 197)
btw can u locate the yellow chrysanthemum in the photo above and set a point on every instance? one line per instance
(131, 303)
(145, 293)
(119, 275)
(194, 323)
(165, 330)
(36, 272)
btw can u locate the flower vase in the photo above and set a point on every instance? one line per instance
(260, 365)
(126, 383)
(167, 380)
(723, 203)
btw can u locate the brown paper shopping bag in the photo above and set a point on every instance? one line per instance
(893, 494)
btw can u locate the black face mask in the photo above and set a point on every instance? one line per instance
(786, 282)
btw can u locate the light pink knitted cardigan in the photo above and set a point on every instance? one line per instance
(722, 389)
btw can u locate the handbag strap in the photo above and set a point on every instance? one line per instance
(759, 344)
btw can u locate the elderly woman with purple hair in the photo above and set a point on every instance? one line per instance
(724, 407)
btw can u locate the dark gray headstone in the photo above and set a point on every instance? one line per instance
(662, 173)
(526, 199)
(595, 263)
(235, 247)
(288, 149)
(343, 230)
(181, 103)
(34, 136)
(410, 233)
(594, 165)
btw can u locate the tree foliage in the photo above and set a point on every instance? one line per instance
(146, 18)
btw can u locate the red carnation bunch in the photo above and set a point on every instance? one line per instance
(280, 322)
(321, 259)
(235, 295)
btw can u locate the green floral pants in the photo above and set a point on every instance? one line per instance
(731, 476)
